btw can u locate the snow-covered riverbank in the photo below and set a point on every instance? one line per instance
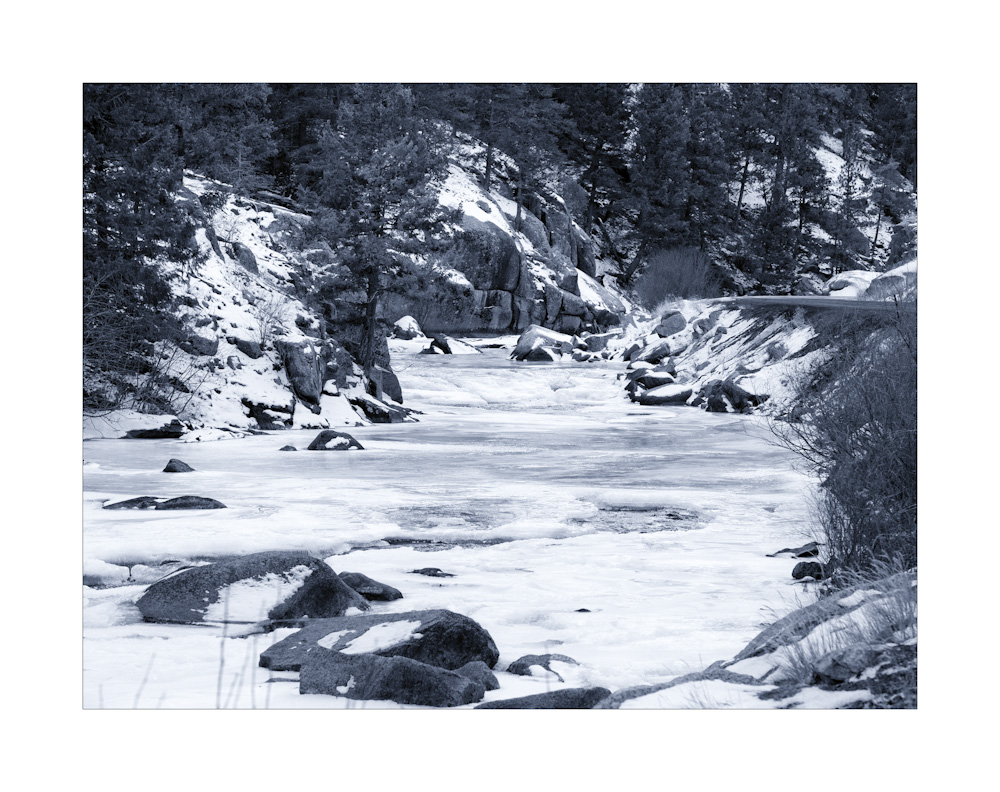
(631, 539)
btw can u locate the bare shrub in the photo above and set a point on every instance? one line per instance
(271, 313)
(854, 421)
(681, 273)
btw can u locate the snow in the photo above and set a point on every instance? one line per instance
(383, 636)
(250, 600)
(704, 694)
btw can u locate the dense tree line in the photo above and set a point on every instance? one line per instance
(739, 173)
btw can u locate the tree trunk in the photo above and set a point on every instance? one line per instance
(743, 185)
(489, 166)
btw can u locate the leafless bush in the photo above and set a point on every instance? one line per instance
(271, 313)
(683, 273)
(854, 421)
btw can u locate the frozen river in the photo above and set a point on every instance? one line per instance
(632, 539)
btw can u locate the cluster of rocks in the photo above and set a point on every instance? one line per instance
(539, 344)
(434, 658)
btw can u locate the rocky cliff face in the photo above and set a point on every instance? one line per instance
(495, 271)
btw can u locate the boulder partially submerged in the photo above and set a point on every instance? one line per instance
(438, 638)
(332, 440)
(280, 586)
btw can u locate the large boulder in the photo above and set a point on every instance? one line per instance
(543, 354)
(389, 383)
(538, 336)
(245, 257)
(407, 328)
(568, 698)
(487, 256)
(654, 353)
(436, 637)
(177, 466)
(249, 348)
(664, 394)
(281, 586)
(368, 677)
(305, 367)
(671, 322)
(332, 440)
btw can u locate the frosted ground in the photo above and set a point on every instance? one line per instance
(632, 539)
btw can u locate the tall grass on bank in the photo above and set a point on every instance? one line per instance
(679, 273)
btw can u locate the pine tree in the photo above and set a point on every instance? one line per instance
(227, 133)
(659, 170)
(364, 177)
(131, 169)
(595, 137)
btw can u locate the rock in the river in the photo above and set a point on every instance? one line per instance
(366, 677)
(176, 466)
(568, 698)
(190, 502)
(183, 502)
(807, 550)
(288, 448)
(537, 336)
(170, 431)
(542, 354)
(431, 572)
(332, 440)
(811, 569)
(665, 394)
(281, 586)
(522, 666)
(144, 502)
(437, 637)
(407, 328)
(370, 589)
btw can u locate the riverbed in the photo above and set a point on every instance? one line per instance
(632, 539)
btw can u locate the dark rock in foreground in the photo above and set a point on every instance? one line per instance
(176, 466)
(187, 596)
(570, 698)
(435, 637)
(331, 440)
(370, 589)
(367, 677)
